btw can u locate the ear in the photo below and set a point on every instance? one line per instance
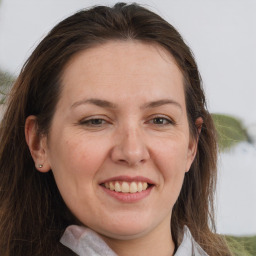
(37, 144)
(193, 143)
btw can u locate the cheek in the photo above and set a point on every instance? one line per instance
(171, 160)
(171, 155)
(74, 154)
(75, 163)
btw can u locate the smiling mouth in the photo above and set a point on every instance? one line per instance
(126, 187)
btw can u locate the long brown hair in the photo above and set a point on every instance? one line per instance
(33, 215)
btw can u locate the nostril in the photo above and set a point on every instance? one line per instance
(122, 161)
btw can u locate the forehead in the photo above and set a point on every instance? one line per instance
(127, 67)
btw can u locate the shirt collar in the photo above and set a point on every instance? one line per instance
(85, 242)
(188, 246)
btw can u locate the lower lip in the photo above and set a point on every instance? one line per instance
(128, 197)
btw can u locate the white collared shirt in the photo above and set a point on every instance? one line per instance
(85, 242)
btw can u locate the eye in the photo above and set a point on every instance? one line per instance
(161, 121)
(94, 122)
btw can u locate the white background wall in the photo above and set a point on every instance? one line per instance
(222, 35)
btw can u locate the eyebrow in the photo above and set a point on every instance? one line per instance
(97, 102)
(158, 103)
(108, 104)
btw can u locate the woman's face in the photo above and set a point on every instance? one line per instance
(119, 143)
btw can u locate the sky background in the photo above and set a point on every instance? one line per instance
(222, 35)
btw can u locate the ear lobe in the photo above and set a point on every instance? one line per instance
(37, 144)
(192, 150)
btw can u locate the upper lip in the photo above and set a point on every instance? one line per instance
(129, 179)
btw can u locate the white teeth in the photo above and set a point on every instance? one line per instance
(133, 187)
(140, 187)
(111, 186)
(126, 187)
(144, 185)
(118, 187)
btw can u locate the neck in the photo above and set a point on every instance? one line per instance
(154, 243)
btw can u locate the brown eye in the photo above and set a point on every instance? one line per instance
(161, 121)
(94, 122)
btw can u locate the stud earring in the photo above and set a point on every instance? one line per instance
(40, 166)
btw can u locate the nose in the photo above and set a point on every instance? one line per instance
(130, 148)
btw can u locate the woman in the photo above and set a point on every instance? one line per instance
(119, 153)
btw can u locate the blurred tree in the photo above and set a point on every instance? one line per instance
(245, 246)
(6, 81)
(230, 131)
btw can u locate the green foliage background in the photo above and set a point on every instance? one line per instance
(6, 81)
(230, 131)
(242, 246)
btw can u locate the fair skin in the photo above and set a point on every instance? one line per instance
(121, 119)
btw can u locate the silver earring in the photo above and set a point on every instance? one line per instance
(40, 166)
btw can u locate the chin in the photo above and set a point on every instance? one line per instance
(125, 234)
(124, 231)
